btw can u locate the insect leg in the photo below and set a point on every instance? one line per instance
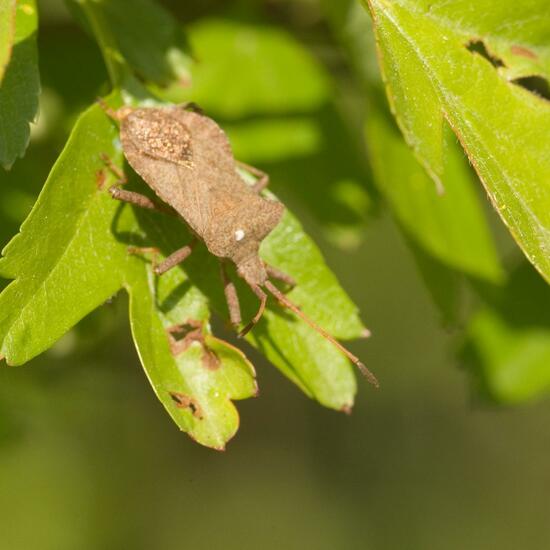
(108, 111)
(116, 115)
(129, 196)
(263, 178)
(116, 170)
(263, 301)
(231, 297)
(175, 258)
(279, 275)
(138, 199)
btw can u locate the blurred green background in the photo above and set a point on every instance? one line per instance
(90, 460)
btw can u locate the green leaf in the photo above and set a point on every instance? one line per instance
(445, 285)
(72, 254)
(260, 69)
(441, 65)
(275, 139)
(294, 347)
(8, 9)
(66, 262)
(278, 113)
(150, 40)
(447, 231)
(507, 347)
(320, 157)
(139, 35)
(450, 225)
(64, 249)
(20, 85)
(196, 386)
(299, 352)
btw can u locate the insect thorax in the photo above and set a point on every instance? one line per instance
(159, 135)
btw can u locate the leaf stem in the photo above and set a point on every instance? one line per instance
(114, 61)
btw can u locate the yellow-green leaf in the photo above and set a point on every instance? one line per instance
(72, 254)
(20, 85)
(7, 32)
(456, 63)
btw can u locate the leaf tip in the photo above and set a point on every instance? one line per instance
(365, 333)
(347, 409)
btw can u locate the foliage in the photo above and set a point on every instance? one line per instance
(438, 71)
(18, 77)
(72, 255)
(459, 70)
(444, 223)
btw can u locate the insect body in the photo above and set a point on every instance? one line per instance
(186, 158)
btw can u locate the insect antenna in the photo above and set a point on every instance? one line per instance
(293, 307)
(263, 301)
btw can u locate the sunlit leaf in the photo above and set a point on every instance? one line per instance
(275, 139)
(195, 386)
(448, 224)
(8, 9)
(277, 109)
(63, 263)
(445, 228)
(457, 63)
(72, 254)
(246, 69)
(20, 85)
(312, 156)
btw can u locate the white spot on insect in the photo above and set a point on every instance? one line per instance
(239, 235)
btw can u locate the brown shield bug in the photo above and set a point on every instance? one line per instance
(186, 159)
